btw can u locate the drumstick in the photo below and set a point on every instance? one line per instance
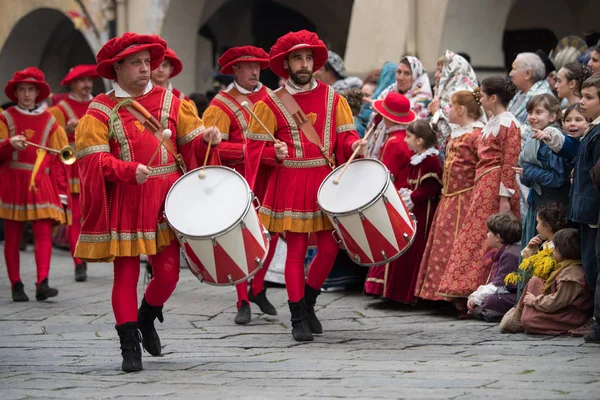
(245, 105)
(202, 172)
(336, 180)
(166, 134)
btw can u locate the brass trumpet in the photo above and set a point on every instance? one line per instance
(66, 154)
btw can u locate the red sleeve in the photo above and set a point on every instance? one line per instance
(232, 152)
(430, 185)
(60, 176)
(397, 160)
(115, 170)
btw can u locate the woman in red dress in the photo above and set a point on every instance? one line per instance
(495, 191)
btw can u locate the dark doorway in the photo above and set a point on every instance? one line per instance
(526, 40)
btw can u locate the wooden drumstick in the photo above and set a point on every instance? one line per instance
(202, 172)
(245, 105)
(166, 134)
(336, 180)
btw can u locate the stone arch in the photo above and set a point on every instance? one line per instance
(53, 46)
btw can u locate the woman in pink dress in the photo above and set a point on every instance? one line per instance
(495, 191)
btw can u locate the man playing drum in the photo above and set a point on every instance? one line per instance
(314, 131)
(68, 112)
(124, 186)
(227, 114)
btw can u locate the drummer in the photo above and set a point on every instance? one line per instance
(303, 157)
(122, 198)
(227, 114)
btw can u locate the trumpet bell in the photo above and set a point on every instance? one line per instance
(67, 155)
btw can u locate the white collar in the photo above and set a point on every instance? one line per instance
(504, 119)
(596, 121)
(245, 91)
(417, 158)
(72, 97)
(121, 93)
(169, 86)
(39, 109)
(461, 130)
(395, 128)
(295, 89)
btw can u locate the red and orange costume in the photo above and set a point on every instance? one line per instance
(122, 219)
(290, 201)
(497, 152)
(458, 181)
(227, 114)
(69, 108)
(32, 179)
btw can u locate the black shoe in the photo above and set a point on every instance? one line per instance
(81, 272)
(594, 335)
(243, 315)
(18, 292)
(44, 291)
(310, 295)
(300, 328)
(146, 316)
(262, 302)
(130, 347)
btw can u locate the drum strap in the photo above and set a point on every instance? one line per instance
(303, 122)
(149, 122)
(239, 97)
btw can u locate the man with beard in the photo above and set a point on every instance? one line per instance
(227, 114)
(68, 112)
(124, 191)
(168, 69)
(315, 129)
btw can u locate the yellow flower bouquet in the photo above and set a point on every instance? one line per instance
(541, 265)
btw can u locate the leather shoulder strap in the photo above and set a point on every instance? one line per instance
(239, 97)
(302, 121)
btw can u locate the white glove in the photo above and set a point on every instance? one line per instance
(63, 199)
(405, 196)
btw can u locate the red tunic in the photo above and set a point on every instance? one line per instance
(458, 181)
(290, 201)
(397, 280)
(497, 152)
(65, 110)
(232, 120)
(19, 201)
(395, 155)
(122, 218)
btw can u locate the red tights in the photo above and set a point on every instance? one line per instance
(75, 228)
(165, 268)
(297, 245)
(258, 281)
(42, 235)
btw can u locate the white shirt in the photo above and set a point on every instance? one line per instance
(295, 89)
(121, 93)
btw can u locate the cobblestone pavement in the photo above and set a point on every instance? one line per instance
(68, 349)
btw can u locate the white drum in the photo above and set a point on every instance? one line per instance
(217, 226)
(367, 213)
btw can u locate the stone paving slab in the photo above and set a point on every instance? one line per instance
(68, 348)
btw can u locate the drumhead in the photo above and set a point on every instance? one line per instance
(364, 180)
(204, 207)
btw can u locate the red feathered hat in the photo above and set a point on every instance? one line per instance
(79, 72)
(28, 75)
(175, 62)
(294, 41)
(237, 55)
(118, 48)
(396, 108)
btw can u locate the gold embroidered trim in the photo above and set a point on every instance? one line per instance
(24, 166)
(430, 175)
(125, 154)
(329, 113)
(68, 109)
(376, 280)
(10, 122)
(47, 129)
(317, 162)
(190, 136)
(164, 121)
(163, 170)
(265, 137)
(486, 172)
(292, 124)
(345, 128)
(99, 148)
(291, 214)
(224, 136)
(32, 207)
(239, 115)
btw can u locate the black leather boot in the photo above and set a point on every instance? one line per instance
(81, 272)
(310, 294)
(146, 316)
(300, 329)
(243, 315)
(262, 302)
(18, 292)
(44, 291)
(130, 347)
